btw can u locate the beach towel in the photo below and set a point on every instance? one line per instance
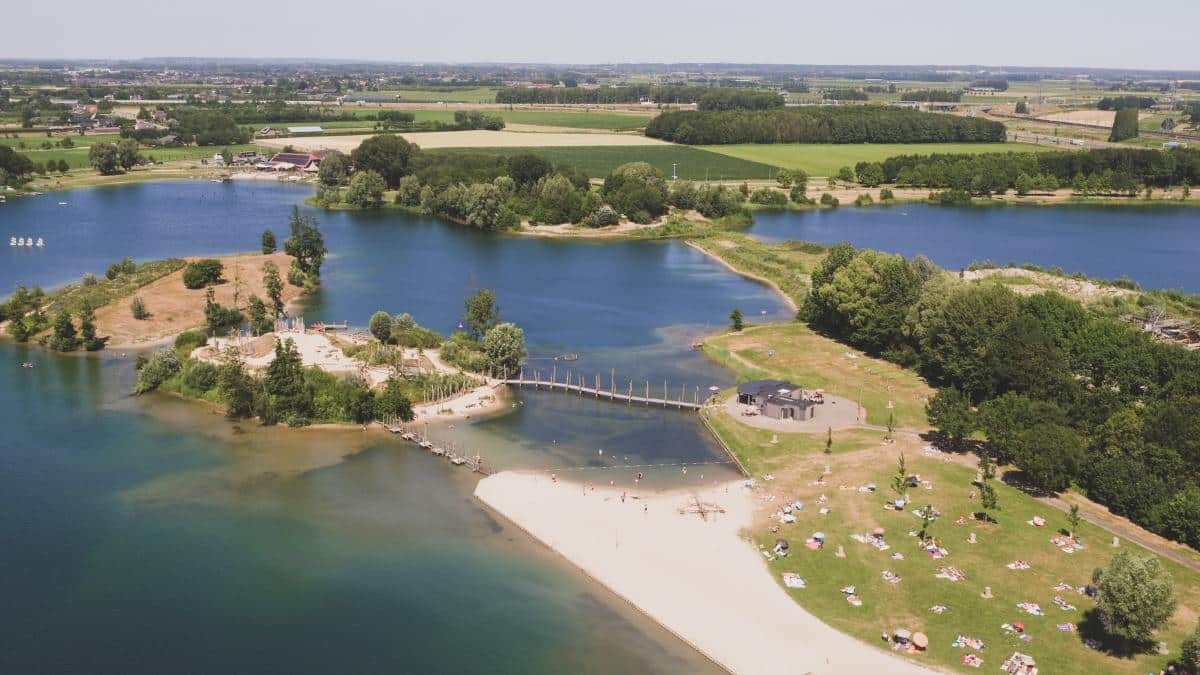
(793, 580)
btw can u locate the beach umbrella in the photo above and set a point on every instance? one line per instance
(714, 388)
(920, 640)
(819, 535)
(902, 634)
(1018, 625)
(878, 530)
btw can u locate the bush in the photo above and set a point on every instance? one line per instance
(638, 190)
(296, 276)
(380, 326)
(203, 273)
(161, 367)
(769, 197)
(950, 197)
(863, 200)
(886, 194)
(829, 200)
(199, 376)
(188, 340)
(602, 217)
(139, 309)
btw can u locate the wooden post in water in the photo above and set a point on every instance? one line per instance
(647, 392)
(612, 396)
(664, 393)
(629, 401)
(597, 385)
(554, 374)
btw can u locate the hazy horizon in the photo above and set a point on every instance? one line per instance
(1022, 34)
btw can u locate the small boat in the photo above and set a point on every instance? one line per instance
(697, 344)
(458, 461)
(425, 444)
(567, 357)
(21, 241)
(62, 203)
(29, 241)
(27, 364)
(12, 241)
(40, 242)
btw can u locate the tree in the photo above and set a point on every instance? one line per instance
(366, 190)
(307, 244)
(388, 155)
(637, 190)
(103, 158)
(1022, 108)
(1189, 650)
(87, 329)
(290, 396)
(846, 175)
(950, 412)
(1073, 519)
(871, 175)
(785, 178)
(201, 273)
(268, 242)
(260, 323)
(64, 337)
(274, 287)
(127, 153)
(900, 480)
(217, 317)
(393, 402)
(1125, 125)
(380, 326)
(829, 440)
(735, 319)
(138, 308)
(236, 388)
(482, 313)
(1050, 456)
(1136, 596)
(504, 345)
(987, 493)
(333, 169)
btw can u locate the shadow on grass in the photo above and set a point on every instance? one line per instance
(1091, 628)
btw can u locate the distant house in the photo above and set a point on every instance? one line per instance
(143, 124)
(266, 132)
(289, 161)
(296, 131)
(169, 139)
(778, 399)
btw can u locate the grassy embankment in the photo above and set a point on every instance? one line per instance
(858, 457)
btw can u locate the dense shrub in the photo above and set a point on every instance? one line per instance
(203, 273)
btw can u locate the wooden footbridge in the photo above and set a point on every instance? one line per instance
(577, 383)
(413, 434)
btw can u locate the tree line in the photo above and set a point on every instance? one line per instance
(1128, 101)
(1098, 171)
(495, 192)
(708, 98)
(822, 124)
(1065, 396)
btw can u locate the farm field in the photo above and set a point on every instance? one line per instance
(77, 157)
(470, 139)
(463, 95)
(819, 159)
(550, 118)
(597, 162)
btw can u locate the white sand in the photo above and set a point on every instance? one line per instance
(699, 579)
(468, 139)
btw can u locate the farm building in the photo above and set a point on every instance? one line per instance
(286, 161)
(778, 399)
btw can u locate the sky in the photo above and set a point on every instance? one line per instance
(1099, 33)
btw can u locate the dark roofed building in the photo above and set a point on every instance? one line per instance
(294, 160)
(777, 399)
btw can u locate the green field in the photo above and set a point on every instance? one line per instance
(463, 95)
(598, 161)
(553, 118)
(77, 157)
(820, 159)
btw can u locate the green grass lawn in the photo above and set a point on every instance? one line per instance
(464, 95)
(598, 161)
(77, 157)
(820, 159)
(907, 604)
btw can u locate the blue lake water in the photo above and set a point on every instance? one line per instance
(1157, 246)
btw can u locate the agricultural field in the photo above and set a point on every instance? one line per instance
(77, 156)
(597, 161)
(449, 95)
(819, 159)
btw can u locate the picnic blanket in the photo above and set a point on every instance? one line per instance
(967, 641)
(950, 573)
(971, 660)
(1031, 608)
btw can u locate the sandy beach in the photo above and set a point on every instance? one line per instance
(696, 577)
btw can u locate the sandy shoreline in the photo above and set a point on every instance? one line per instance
(697, 578)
